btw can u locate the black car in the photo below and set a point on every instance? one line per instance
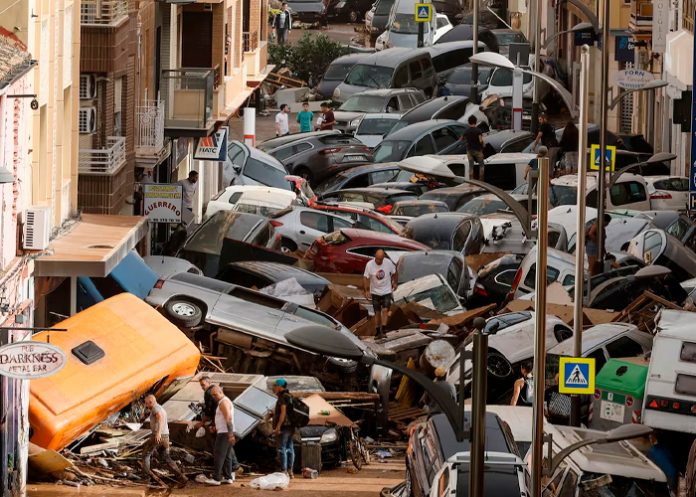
(260, 274)
(447, 263)
(350, 10)
(382, 198)
(317, 156)
(454, 196)
(458, 82)
(452, 107)
(381, 16)
(433, 442)
(363, 176)
(465, 32)
(504, 141)
(336, 73)
(462, 233)
(494, 280)
(309, 11)
(438, 136)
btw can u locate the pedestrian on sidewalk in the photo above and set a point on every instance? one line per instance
(547, 137)
(305, 118)
(327, 117)
(224, 457)
(159, 440)
(282, 126)
(380, 281)
(189, 186)
(282, 24)
(283, 428)
(473, 136)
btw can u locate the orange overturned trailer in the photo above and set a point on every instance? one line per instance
(117, 351)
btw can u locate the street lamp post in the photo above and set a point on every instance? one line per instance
(658, 158)
(583, 26)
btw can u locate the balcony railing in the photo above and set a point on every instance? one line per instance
(250, 41)
(105, 160)
(103, 13)
(188, 97)
(149, 139)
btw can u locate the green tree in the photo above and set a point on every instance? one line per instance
(310, 56)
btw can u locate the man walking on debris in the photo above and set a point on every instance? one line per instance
(282, 426)
(379, 284)
(225, 460)
(159, 439)
(209, 402)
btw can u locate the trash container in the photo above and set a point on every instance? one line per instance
(619, 391)
(311, 455)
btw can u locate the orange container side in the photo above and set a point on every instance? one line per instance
(141, 349)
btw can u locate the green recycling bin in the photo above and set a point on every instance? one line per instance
(619, 390)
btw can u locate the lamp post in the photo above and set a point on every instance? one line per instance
(497, 60)
(652, 85)
(582, 26)
(658, 158)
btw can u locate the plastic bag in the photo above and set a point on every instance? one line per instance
(274, 481)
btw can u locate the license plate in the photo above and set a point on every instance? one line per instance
(612, 411)
(354, 158)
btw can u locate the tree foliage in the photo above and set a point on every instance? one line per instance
(309, 57)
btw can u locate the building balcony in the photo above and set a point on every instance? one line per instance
(188, 100)
(641, 16)
(103, 161)
(103, 13)
(149, 136)
(250, 41)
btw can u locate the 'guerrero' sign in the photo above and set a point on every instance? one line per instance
(633, 79)
(162, 203)
(29, 360)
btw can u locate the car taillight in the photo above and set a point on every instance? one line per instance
(159, 284)
(660, 196)
(515, 283)
(480, 290)
(385, 209)
(327, 151)
(276, 224)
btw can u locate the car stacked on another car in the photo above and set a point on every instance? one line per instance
(391, 100)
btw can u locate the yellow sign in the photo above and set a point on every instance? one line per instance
(424, 12)
(576, 375)
(610, 157)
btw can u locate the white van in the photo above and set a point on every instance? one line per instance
(402, 28)
(560, 267)
(670, 389)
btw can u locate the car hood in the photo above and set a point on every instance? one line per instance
(346, 90)
(342, 115)
(403, 40)
(300, 7)
(429, 165)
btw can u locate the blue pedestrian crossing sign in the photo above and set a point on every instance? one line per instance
(610, 156)
(576, 375)
(424, 12)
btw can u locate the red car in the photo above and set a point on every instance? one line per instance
(349, 250)
(363, 218)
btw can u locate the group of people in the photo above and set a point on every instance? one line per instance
(305, 119)
(218, 417)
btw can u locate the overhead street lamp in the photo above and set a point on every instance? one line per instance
(657, 158)
(497, 60)
(623, 432)
(583, 26)
(652, 85)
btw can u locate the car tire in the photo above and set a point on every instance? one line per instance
(287, 246)
(183, 312)
(498, 366)
(305, 173)
(344, 366)
(353, 16)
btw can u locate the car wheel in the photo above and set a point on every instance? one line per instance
(345, 366)
(498, 365)
(354, 16)
(287, 246)
(305, 173)
(183, 312)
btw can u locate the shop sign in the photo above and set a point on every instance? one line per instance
(162, 203)
(633, 79)
(30, 360)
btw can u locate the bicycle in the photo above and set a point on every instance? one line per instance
(357, 449)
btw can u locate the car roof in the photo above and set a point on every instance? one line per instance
(279, 141)
(266, 158)
(593, 338)
(653, 179)
(498, 138)
(419, 201)
(449, 46)
(350, 58)
(424, 110)
(392, 57)
(276, 270)
(384, 92)
(465, 189)
(434, 257)
(377, 236)
(366, 168)
(510, 157)
(373, 189)
(416, 130)
(676, 324)
(439, 221)
(495, 439)
(572, 179)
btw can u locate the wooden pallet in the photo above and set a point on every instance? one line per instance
(642, 311)
(278, 80)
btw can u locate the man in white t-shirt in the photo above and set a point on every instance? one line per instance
(282, 127)
(379, 284)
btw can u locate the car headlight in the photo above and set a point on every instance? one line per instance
(330, 435)
(355, 122)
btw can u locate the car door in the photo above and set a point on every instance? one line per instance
(629, 195)
(423, 146)
(447, 141)
(236, 158)
(313, 224)
(298, 156)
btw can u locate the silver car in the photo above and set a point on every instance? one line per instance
(301, 226)
(239, 315)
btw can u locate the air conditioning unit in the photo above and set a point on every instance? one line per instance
(37, 228)
(88, 88)
(88, 120)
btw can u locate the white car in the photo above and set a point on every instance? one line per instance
(373, 127)
(262, 200)
(301, 226)
(500, 84)
(668, 193)
(403, 31)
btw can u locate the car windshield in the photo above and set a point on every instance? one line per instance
(391, 150)
(261, 210)
(383, 7)
(497, 480)
(363, 103)
(337, 72)
(435, 239)
(404, 24)
(482, 205)
(563, 195)
(415, 210)
(375, 126)
(508, 38)
(370, 76)
(209, 237)
(266, 174)
(439, 298)
(503, 77)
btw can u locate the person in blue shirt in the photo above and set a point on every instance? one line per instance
(662, 457)
(305, 118)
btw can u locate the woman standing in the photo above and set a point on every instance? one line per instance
(569, 148)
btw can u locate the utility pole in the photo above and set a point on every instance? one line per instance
(473, 94)
(540, 327)
(580, 233)
(604, 93)
(478, 410)
(535, 13)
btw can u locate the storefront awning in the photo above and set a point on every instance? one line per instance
(92, 247)
(679, 59)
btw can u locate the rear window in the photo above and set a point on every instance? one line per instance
(266, 174)
(551, 276)
(449, 60)
(391, 150)
(503, 77)
(685, 384)
(627, 193)
(416, 210)
(377, 126)
(673, 184)
(688, 352)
